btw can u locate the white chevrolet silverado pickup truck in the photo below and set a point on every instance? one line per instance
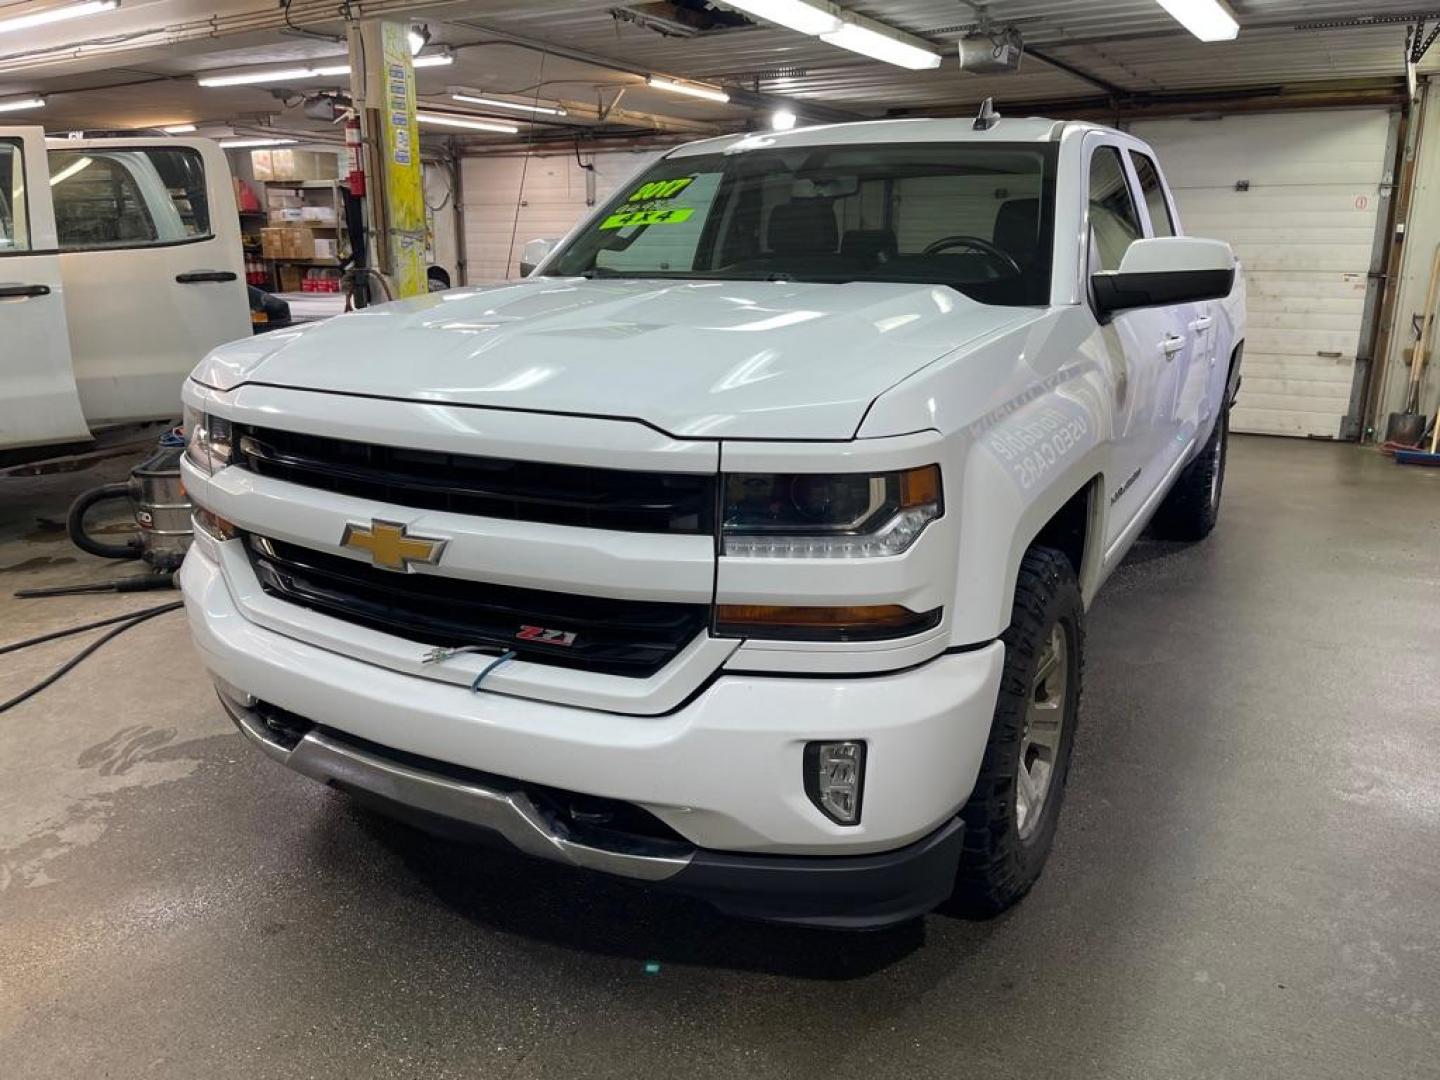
(744, 547)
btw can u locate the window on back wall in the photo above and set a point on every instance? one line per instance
(128, 198)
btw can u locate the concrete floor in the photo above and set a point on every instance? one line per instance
(1246, 881)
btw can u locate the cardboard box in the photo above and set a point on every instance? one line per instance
(292, 278)
(286, 215)
(325, 248)
(295, 164)
(319, 214)
(287, 242)
(282, 198)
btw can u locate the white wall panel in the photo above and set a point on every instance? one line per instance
(1305, 232)
(551, 202)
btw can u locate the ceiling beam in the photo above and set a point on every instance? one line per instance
(1079, 73)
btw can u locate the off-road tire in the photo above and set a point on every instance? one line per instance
(1191, 508)
(998, 866)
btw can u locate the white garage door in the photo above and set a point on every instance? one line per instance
(553, 200)
(1296, 195)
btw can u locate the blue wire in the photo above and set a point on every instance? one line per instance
(509, 654)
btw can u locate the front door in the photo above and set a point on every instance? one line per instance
(39, 405)
(150, 250)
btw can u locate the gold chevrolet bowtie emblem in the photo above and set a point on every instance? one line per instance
(390, 546)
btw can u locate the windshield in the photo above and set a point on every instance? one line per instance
(975, 217)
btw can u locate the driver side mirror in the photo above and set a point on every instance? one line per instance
(534, 253)
(1165, 270)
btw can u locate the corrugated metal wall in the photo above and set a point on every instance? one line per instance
(551, 202)
(1305, 231)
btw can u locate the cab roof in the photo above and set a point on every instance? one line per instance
(956, 129)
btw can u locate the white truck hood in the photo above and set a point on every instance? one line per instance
(700, 359)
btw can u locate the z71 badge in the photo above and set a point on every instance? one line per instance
(546, 636)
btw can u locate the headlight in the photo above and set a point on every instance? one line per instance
(823, 516)
(208, 440)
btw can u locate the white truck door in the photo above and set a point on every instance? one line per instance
(150, 252)
(1150, 339)
(39, 404)
(1196, 363)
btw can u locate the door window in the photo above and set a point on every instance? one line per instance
(1153, 192)
(14, 230)
(128, 198)
(1114, 223)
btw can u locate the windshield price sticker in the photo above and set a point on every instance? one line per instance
(639, 208)
(660, 189)
(622, 218)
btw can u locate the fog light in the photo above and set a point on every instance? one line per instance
(835, 779)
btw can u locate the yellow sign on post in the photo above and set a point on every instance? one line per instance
(401, 172)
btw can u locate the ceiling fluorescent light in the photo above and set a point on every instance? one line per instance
(290, 74)
(14, 104)
(240, 78)
(709, 93)
(1208, 20)
(472, 123)
(245, 144)
(880, 44)
(54, 15)
(79, 165)
(799, 15)
(178, 129)
(500, 103)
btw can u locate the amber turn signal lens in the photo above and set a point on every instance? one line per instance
(821, 623)
(214, 526)
(920, 487)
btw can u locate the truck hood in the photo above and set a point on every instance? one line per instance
(717, 359)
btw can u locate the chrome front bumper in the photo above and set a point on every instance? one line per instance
(511, 814)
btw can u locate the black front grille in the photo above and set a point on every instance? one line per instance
(483, 486)
(618, 637)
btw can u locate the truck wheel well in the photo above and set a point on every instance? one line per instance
(1068, 530)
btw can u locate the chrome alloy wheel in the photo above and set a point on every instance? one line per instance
(1040, 741)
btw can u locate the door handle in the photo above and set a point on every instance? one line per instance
(194, 277)
(1202, 323)
(8, 292)
(1170, 344)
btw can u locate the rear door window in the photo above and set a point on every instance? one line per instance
(1153, 192)
(14, 230)
(128, 198)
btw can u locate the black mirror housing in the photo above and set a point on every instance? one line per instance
(1119, 291)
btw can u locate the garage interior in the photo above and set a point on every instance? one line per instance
(1244, 881)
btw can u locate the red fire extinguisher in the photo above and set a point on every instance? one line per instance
(354, 156)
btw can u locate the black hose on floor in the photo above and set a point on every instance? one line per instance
(135, 618)
(75, 523)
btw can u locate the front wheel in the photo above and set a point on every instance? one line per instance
(1191, 508)
(1012, 813)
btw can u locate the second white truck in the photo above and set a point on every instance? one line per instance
(745, 547)
(120, 265)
